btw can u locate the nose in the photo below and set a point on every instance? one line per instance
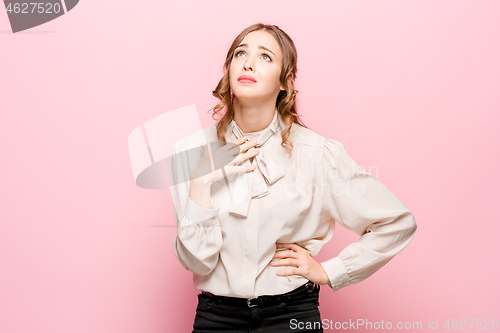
(249, 64)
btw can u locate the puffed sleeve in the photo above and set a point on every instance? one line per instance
(361, 203)
(199, 239)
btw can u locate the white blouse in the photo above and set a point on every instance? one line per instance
(286, 199)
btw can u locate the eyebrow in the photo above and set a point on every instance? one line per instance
(260, 47)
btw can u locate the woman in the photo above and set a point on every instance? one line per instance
(258, 207)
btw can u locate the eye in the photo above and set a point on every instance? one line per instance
(266, 56)
(237, 53)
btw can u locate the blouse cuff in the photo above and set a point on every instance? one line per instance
(195, 214)
(337, 274)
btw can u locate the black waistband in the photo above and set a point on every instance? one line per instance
(266, 299)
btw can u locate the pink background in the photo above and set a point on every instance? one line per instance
(409, 87)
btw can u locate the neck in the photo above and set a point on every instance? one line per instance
(253, 118)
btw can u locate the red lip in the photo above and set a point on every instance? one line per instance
(246, 77)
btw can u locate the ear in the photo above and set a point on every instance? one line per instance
(282, 87)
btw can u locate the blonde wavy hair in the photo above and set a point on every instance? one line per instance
(285, 101)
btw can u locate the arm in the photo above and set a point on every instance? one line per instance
(199, 239)
(361, 203)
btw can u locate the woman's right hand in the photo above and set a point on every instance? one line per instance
(209, 170)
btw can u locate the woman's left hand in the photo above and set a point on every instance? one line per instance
(305, 263)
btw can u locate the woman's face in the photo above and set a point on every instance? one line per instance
(254, 73)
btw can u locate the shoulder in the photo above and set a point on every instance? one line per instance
(306, 137)
(332, 151)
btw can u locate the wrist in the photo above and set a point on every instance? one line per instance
(199, 193)
(200, 183)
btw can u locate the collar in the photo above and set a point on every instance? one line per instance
(254, 185)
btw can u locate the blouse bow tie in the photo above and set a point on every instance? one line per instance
(254, 186)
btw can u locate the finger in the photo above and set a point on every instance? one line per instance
(248, 168)
(224, 154)
(293, 246)
(244, 156)
(283, 244)
(236, 159)
(228, 148)
(248, 145)
(291, 271)
(233, 156)
(242, 169)
(250, 154)
(285, 254)
(285, 262)
(240, 140)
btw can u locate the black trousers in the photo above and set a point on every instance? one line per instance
(298, 315)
